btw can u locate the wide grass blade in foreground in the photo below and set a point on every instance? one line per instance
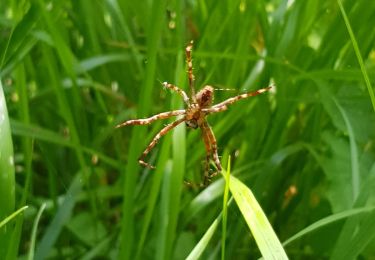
(7, 178)
(267, 241)
(261, 229)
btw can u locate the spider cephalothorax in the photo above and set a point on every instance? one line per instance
(198, 106)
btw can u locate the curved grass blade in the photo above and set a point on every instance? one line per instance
(328, 220)
(33, 234)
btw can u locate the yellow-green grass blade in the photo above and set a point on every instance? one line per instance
(265, 237)
(7, 186)
(12, 216)
(225, 210)
(202, 244)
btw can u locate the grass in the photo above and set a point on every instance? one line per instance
(71, 70)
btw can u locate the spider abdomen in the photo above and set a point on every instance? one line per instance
(205, 96)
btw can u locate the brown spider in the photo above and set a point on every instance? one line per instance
(198, 107)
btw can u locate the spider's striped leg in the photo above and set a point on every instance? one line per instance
(222, 106)
(154, 141)
(178, 90)
(213, 143)
(189, 62)
(149, 120)
(207, 145)
(215, 109)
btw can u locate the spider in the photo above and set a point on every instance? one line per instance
(198, 106)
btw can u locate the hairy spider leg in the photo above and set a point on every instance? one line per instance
(223, 105)
(154, 141)
(211, 137)
(146, 121)
(189, 62)
(178, 90)
(207, 145)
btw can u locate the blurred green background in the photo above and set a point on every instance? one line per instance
(72, 70)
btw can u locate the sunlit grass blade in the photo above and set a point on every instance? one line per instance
(12, 216)
(7, 183)
(225, 210)
(267, 241)
(196, 253)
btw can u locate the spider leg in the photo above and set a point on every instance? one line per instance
(223, 105)
(154, 141)
(149, 120)
(213, 143)
(178, 90)
(207, 145)
(189, 62)
(215, 109)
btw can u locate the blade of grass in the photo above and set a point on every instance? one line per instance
(17, 40)
(41, 134)
(327, 221)
(266, 239)
(175, 181)
(196, 253)
(62, 216)
(27, 148)
(7, 183)
(358, 54)
(225, 210)
(353, 153)
(33, 233)
(199, 248)
(158, 174)
(145, 101)
(12, 216)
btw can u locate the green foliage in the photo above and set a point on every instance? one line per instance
(72, 70)
(7, 183)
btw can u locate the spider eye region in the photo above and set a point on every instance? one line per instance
(192, 124)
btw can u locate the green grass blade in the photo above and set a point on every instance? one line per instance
(267, 241)
(358, 54)
(327, 221)
(63, 215)
(34, 231)
(225, 210)
(7, 183)
(353, 153)
(145, 101)
(12, 216)
(46, 135)
(196, 253)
